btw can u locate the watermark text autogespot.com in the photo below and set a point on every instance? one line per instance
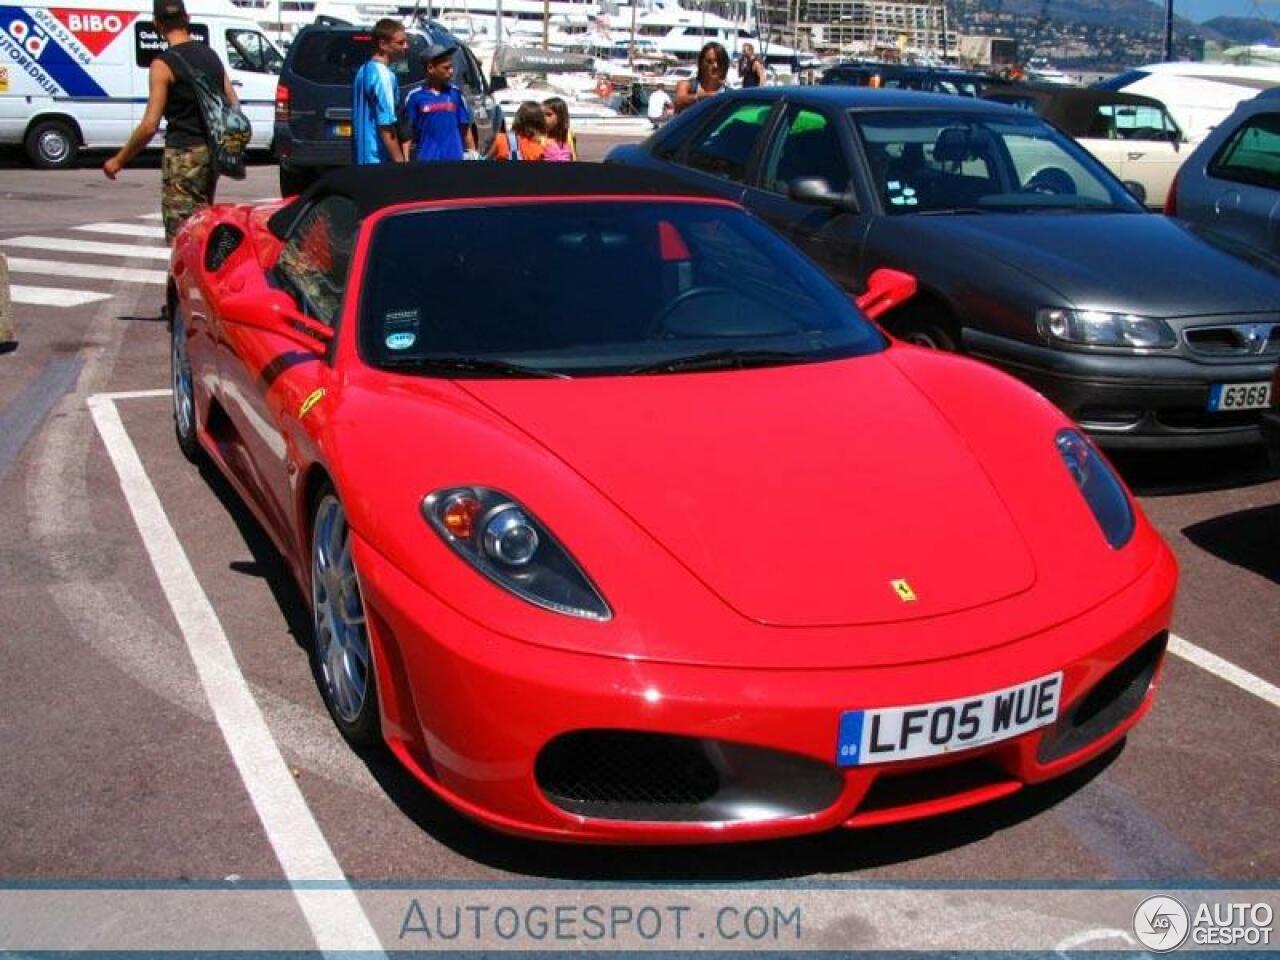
(612, 923)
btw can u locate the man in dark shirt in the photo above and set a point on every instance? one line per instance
(188, 174)
(750, 69)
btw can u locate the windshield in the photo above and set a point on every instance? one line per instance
(944, 162)
(581, 288)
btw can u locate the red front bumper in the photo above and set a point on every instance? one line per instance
(468, 710)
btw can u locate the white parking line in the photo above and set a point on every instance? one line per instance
(124, 229)
(54, 296)
(68, 245)
(331, 908)
(1224, 670)
(87, 271)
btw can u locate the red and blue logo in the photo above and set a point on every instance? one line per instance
(29, 47)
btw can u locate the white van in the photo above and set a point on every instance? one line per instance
(76, 76)
(1199, 95)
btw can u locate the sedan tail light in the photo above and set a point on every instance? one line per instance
(282, 103)
(1171, 201)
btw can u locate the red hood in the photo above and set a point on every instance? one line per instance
(797, 494)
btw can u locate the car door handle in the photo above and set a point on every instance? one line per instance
(237, 83)
(1135, 156)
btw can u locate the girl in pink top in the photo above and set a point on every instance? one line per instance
(559, 144)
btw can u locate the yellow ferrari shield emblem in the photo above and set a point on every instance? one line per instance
(311, 401)
(904, 591)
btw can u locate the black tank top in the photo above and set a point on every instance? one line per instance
(184, 126)
(747, 70)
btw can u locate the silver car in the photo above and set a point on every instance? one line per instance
(1230, 184)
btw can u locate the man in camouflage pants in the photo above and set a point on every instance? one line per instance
(188, 173)
(187, 182)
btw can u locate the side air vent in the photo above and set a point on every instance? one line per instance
(224, 240)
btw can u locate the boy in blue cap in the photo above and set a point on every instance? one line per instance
(436, 113)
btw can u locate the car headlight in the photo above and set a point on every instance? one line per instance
(1099, 329)
(1100, 487)
(505, 542)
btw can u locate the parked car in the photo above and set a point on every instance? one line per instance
(313, 99)
(613, 562)
(1029, 253)
(1134, 136)
(1199, 95)
(1271, 422)
(75, 78)
(893, 76)
(1230, 184)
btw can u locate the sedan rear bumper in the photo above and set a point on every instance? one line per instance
(558, 745)
(1132, 402)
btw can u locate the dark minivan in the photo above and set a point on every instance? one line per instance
(313, 100)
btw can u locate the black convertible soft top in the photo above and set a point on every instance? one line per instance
(371, 188)
(1073, 109)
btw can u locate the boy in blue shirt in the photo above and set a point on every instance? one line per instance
(375, 96)
(436, 113)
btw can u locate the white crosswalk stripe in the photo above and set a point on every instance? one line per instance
(54, 296)
(124, 229)
(68, 245)
(68, 272)
(88, 271)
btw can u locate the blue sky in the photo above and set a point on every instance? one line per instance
(1201, 10)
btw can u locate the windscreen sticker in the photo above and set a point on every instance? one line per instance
(901, 196)
(400, 328)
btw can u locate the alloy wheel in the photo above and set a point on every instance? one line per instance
(342, 640)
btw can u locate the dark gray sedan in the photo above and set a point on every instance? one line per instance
(1028, 252)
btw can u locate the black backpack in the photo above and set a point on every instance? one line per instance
(228, 128)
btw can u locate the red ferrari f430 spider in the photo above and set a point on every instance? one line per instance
(621, 523)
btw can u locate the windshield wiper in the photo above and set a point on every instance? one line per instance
(476, 365)
(948, 211)
(719, 359)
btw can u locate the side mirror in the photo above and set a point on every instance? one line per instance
(275, 312)
(1138, 190)
(816, 191)
(497, 82)
(886, 289)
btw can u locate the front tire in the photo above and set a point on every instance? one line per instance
(926, 326)
(52, 145)
(185, 425)
(341, 654)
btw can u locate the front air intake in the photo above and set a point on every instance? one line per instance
(634, 775)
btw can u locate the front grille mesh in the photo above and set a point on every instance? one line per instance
(1112, 700)
(1235, 340)
(601, 767)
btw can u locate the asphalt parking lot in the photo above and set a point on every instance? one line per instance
(117, 766)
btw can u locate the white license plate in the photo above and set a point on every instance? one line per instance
(1239, 396)
(929, 729)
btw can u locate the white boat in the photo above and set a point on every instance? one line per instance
(682, 33)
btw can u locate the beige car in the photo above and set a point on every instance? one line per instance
(1134, 136)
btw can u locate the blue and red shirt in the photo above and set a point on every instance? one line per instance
(437, 119)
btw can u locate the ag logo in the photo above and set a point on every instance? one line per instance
(1161, 923)
(28, 36)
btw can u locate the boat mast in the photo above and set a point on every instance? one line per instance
(1168, 32)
